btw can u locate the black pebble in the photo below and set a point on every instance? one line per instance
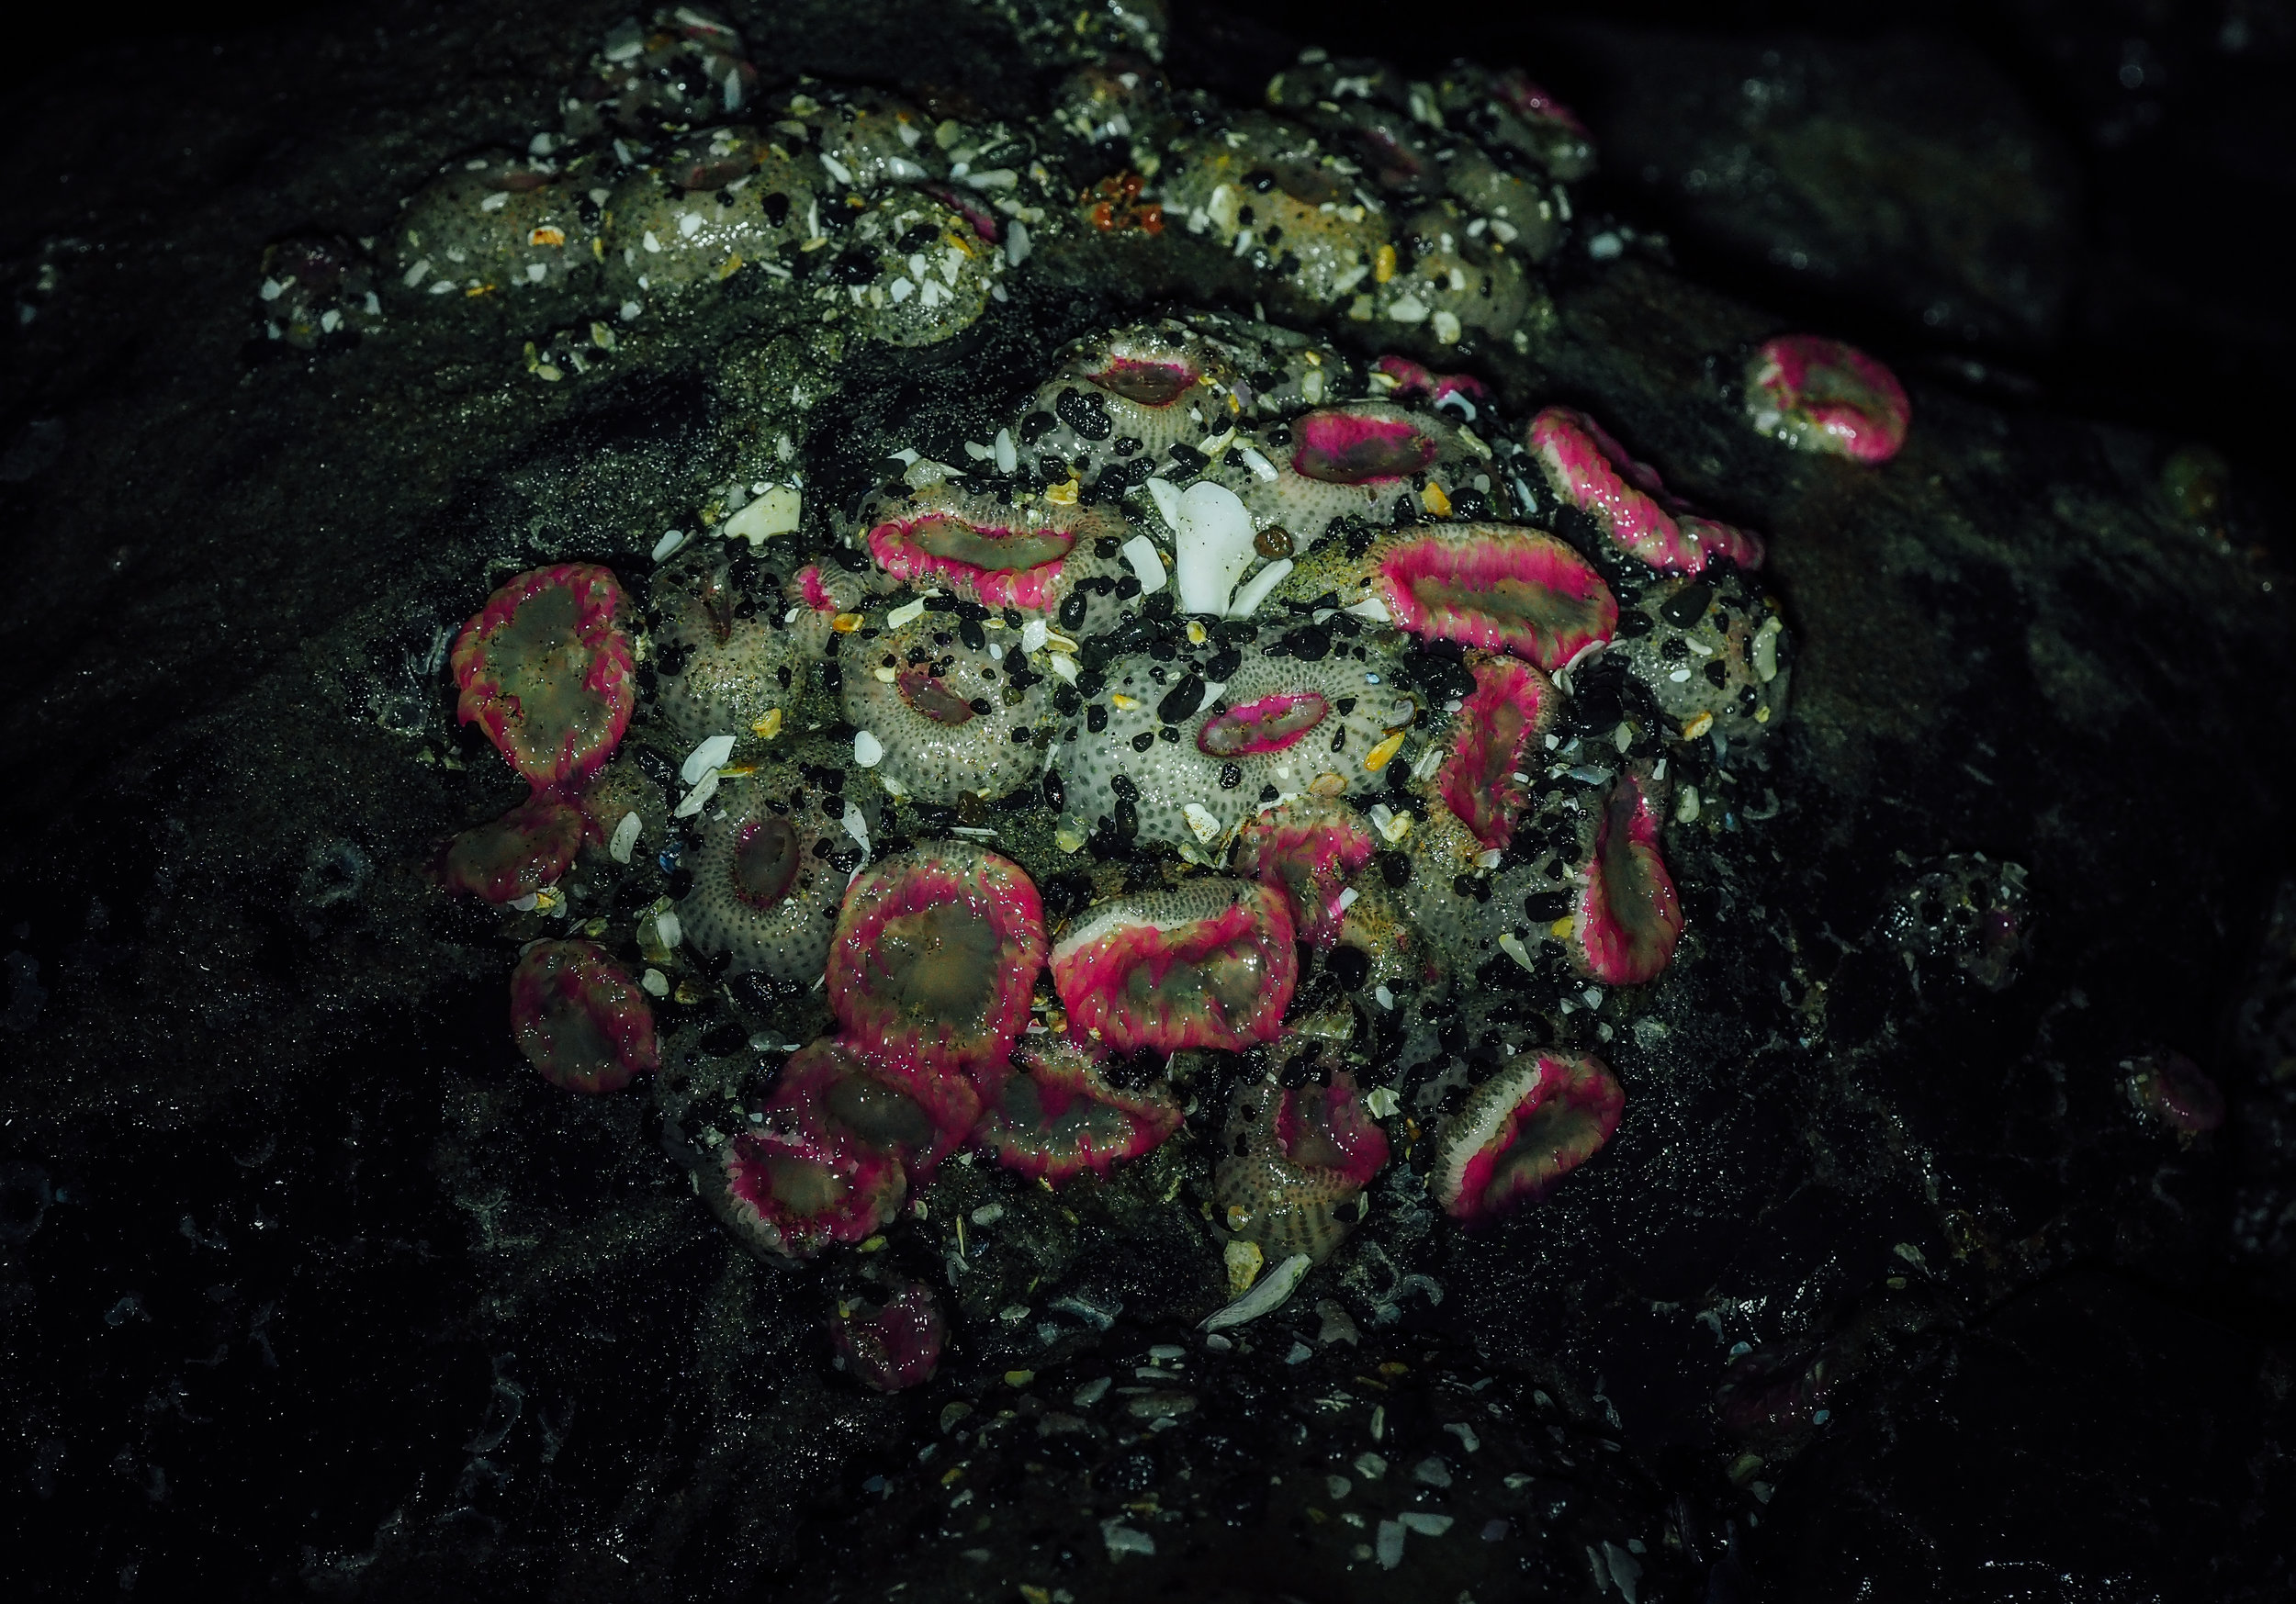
(1688, 605)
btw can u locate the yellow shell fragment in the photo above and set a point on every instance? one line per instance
(1384, 753)
(1244, 1260)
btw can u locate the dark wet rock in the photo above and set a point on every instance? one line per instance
(1901, 176)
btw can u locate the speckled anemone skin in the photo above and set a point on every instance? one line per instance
(1228, 711)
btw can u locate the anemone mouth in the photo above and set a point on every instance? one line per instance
(925, 693)
(1155, 381)
(935, 955)
(1272, 724)
(1497, 722)
(850, 1100)
(577, 1018)
(1826, 395)
(1308, 852)
(765, 861)
(1629, 918)
(1056, 1117)
(894, 1345)
(793, 1194)
(520, 853)
(1356, 448)
(1522, 1131)
(1327, 1130)
(545, 670)
(1013, 561)
(1503, 589)
(1211, 966)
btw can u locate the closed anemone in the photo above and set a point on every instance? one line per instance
(766, 876)
(950, 719)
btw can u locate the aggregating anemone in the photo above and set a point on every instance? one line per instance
(1170, 767)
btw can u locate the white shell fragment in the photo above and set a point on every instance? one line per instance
(698, 798)
(624, 836)
(1147, 563)
(668, 542)
(868, 751)
(857, 828)
(774, 512)
(1213, 546)
(710, 755)
(1248, 599)
(1266, 1294)
(907, 613)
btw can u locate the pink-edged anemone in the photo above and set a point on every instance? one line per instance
(578, 1019)
(1494, 587)
(1526, 98)
(1533, 1122)
(1297, 1160)
(1627, 918)
(1359, 445)
(786, 1192)
(1269, 723)
(1056, 1116)
(1152, 380)
(893, 1345)
(1595, 474)
(515, 856)
(2177, 1091)
(935, 956)
(545, 670)
(839, 1091)
(1416, 381)
(1211, 963)
(1511, 704)
(1308, 849)
(1822, 396)
(996, 554)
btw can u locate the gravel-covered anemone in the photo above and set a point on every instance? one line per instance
(545, 669)
(1539, 1118)
(1627, 918)
(1210, 963)
(724, 664)
(515, 856)
(1126, 398)
(935, 956)
(769, 877)
(1057, 1115)
(1031, 558)
(1294, 1163)
(1309, 848)
(1190, 757)
(950, 716)
(1591, 471)
(1495, 586)
(577, 1018)
(1819, 394)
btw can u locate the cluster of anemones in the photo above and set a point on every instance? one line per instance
(1226, 602)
